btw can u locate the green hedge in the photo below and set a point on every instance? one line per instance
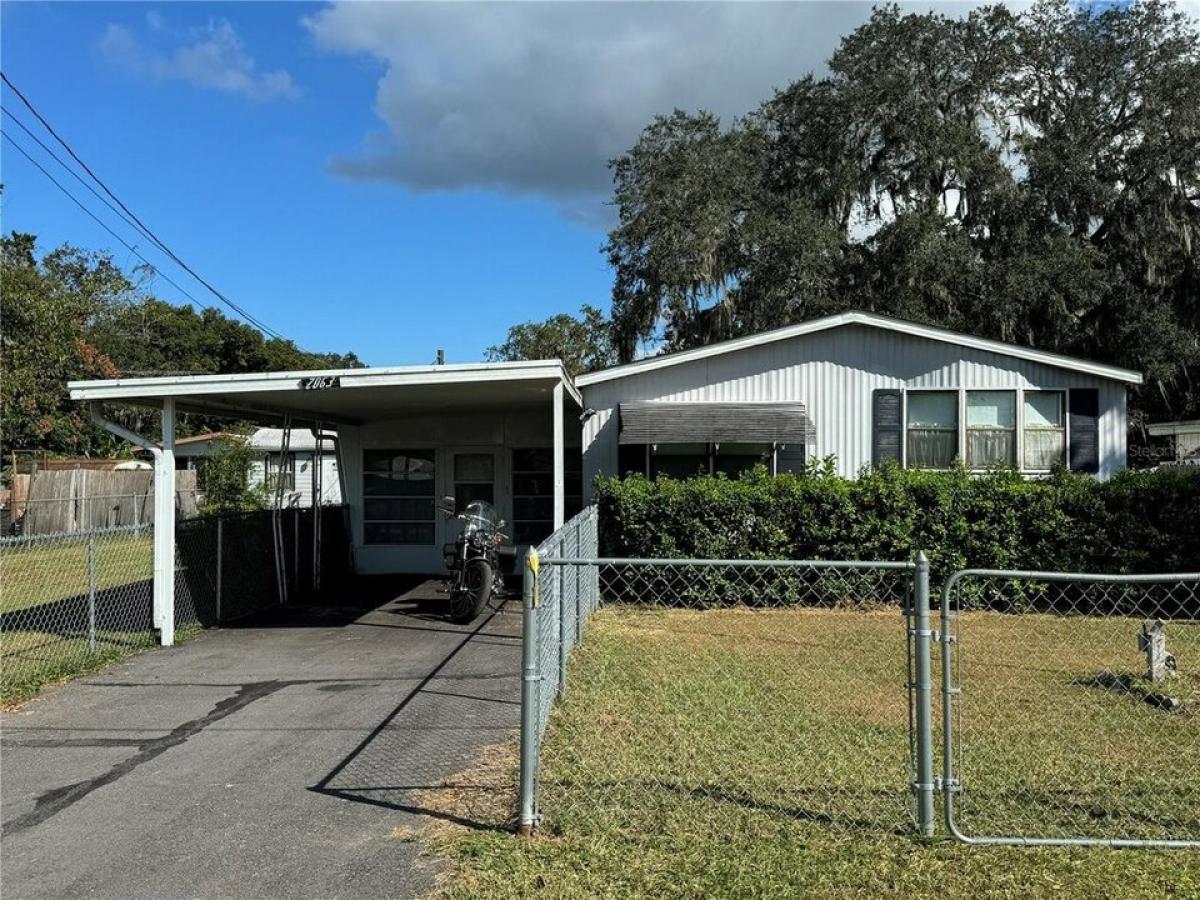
(1139, 521)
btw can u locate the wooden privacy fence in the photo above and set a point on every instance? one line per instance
(69, 500)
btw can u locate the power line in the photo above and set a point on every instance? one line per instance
(58, 159)
(140, 225)
(128, 246)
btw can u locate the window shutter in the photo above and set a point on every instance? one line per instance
(887, 426)
(1084, 417)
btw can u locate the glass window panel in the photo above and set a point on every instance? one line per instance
(932, 409)
(532, 532)
(474, 467)
(533, 459)
(533, 508)
(394, 508)
(735, 459)
(932, 448)
(1044, 447)
(679, 460)
(398, 532)
(631, 459)
(465, 493)
(1043, 409)
(377, 484)
(400, 463)
(990, 447)
(524, 485)
(991, 409)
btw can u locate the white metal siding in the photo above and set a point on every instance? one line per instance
(446, 434)
(833, 373)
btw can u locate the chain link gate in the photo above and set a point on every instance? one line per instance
(719, 689)
(1071, 708)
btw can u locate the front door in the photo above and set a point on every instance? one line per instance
(472, 473)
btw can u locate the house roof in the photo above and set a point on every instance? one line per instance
(1187, 426)
(199, 438)
(874, 320)
(337, 396)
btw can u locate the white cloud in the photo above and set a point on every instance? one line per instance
(535, 98)
(212, 57)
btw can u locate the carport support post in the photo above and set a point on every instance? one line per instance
(560, 499)
(923, 635)
(220, 562)
(164, 528)
(530, 680)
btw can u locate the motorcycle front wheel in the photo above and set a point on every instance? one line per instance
(467, 602)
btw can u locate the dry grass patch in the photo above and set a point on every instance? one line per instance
(764, 753)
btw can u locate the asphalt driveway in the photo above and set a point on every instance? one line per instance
(281, 759)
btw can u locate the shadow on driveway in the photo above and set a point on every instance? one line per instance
(281, 757)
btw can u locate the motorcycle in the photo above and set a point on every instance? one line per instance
(473, 558)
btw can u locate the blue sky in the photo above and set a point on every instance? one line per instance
(382, 178)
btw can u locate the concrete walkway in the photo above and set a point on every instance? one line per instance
(276, 760)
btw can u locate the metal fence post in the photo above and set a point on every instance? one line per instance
(577, 574)
(530, 687)
(564, 650)
(91, 577)
(220, 561)
(923, 634)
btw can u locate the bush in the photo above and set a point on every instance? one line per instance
(1139, 521)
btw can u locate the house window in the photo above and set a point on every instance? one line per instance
(1045, 436)
(280, 470)
(736, 459)
(932, 438)
(679, 460)
(533, 491)
(689, 460)
(398, 496)
(991, 429)
(474, 479)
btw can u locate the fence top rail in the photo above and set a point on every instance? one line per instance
(1089, 577)
(63, 536)
(743, 563)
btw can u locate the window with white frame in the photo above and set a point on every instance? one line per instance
(533, 491)
(932, 429)
(398, 496)
(686, 460)
(1045, 430)
(280, 472)
(991, 429)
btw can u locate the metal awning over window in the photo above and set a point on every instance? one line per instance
(712, 423)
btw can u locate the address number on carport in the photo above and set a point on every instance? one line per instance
(320, 382)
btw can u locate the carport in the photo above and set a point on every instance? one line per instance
(505, 432)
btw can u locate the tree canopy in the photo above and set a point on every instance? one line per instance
(1031, 177)
(584, 344)
(72, 314)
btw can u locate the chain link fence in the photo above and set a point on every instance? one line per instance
(715, 692)
(1071, 707)
(72, 602)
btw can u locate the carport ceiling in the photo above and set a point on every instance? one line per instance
(347, 396)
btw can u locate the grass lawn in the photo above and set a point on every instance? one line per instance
(45, 571)
(765, 753)
(44, 609)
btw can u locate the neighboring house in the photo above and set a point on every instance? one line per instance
(525, 436)
(297, 468)
(190, 450)
(1185, 439)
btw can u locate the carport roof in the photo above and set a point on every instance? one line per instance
(347, 396)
